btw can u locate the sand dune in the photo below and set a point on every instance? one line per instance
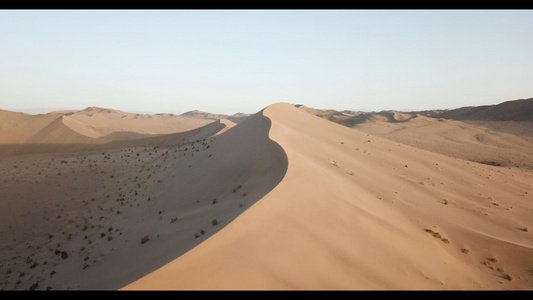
(58, 132)
(17, 128)
(282, 200)
(503, 143)
(356, 211)
(88, 125)
(96, 128)
(476, 142)
(105, 123)
(101, 219)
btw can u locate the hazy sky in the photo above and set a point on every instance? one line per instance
(228, 61)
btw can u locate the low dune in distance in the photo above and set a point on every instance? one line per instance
(279, 200)
(114, 125)
(97, 128)
(478, 141)
(97, 125)
(500, 134)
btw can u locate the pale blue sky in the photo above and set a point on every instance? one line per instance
(228, 61)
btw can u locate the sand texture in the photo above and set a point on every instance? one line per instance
(283, 199)
(356, 211)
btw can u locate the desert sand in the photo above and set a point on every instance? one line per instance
(355, 211)
(284, 200)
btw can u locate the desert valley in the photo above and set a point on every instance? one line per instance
(289, 198)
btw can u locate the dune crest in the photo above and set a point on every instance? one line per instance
(93, 125)
(101, 122)
(355, 211)
(58, 132)
(282, 199)
(99, 219)
(17, 128)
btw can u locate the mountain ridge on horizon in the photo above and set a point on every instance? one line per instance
(461, 112)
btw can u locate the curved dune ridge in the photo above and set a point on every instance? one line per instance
(111, 125)
(57, 132)
(355, 211)
(96, 128)
(284, 200)
(16, 128)
(105, 218)
(93, 125)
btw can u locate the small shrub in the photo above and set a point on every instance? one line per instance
(507, 276)
(144, 239)
(237, 188)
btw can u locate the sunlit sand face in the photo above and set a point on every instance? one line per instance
(284, 199)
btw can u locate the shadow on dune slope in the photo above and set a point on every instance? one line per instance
(215, 183)
(61, 143)
(130, 211)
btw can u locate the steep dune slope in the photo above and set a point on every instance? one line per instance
(91, 124)
(17, 128)
(101, 219)
(201, 133)
(59, 133)
(355, 211)
(113, 124)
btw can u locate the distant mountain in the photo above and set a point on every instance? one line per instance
(514, 110)
(352, 118)
(197, 114)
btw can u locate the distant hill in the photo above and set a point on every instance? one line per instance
(498, 134)
(197, 114)
(514, 110)
(353, 118)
